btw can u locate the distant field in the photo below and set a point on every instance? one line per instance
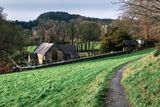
(73, 85)
(96, 46)
(31, 49)
(142, 82)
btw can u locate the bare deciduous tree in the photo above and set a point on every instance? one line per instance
(147, 14)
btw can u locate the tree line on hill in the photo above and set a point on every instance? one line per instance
(57, 16)
(76, 32)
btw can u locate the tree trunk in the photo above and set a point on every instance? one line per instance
(85, 46)
(72, 34)
(81, 46)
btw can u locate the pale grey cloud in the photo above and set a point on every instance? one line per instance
(30, 9)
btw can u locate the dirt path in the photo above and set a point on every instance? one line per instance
(116, 94)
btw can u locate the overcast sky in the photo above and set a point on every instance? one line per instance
(30, 9)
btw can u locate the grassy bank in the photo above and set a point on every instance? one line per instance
(142, 82)
(73, 85)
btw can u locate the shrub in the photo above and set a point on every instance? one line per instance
(5, 68)
(157, 52)
(113, 40)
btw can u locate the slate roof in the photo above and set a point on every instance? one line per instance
(68, 49)
(43, 48)
(130, 43)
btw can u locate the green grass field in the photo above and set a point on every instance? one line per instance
(142, 82)
(73, 85)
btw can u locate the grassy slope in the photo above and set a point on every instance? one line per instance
(69, 85)
(142, 82)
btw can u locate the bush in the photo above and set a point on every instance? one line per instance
(105, 46)
(157, 52)
(113, 40)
